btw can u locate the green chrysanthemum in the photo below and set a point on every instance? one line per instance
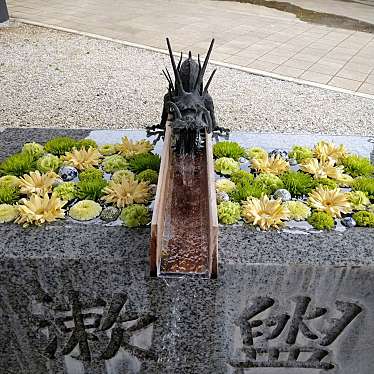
(60, 145)
(86, 143)
(241, 176)
(9, 194)
(298, 210)
(228, 149)
(48, 163)
(114, 163)
(228, 212)
(226, 166)
(364, 219)
(269, 183)
(225, 185)
(90, 174)
(144, 161)
(85, 210)
(300, 153)
(135, 215)
(91, 189)
(108, 149)
(66, 191)
(357, 166)
(326, 183)
(119, 174)
(150, 176)
(8, 213)
(358, 200)
(321, 221)
(364, 184)
(34, 149)
(9, 180)
(255, 152)
(297, 183)
(17, 164)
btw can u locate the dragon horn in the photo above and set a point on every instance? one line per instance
(176, 109)
(180, 62)
(209, 81)
(202, 72)
(178, 81)
(167, 76)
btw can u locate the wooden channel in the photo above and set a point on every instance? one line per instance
(184, 231)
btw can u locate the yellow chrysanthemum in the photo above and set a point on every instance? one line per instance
(82, 159)
(128, 148)
(326, 151)
(127, 192)
(333, 202)
(264, 212)
(272, 165)
(38, 210)
(36, 183)
(322, 169)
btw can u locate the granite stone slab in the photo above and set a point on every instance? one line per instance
(77, 299)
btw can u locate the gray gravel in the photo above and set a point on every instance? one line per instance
(54, 79)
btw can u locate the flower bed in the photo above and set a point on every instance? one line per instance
(79, 180)
(321, 186)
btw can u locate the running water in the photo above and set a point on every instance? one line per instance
(186, 226)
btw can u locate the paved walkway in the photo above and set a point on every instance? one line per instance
(246, 35)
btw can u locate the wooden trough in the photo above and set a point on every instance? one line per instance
(184, 232)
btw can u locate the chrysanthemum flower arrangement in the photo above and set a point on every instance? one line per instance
(322, 186)
(79, 180)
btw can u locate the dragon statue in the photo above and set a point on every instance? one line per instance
(189, 104)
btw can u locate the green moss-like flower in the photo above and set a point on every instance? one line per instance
(244, 190)
(242, 176)
(9, 194)
(225, 185)
(269, 183)
(144, 161)
(370, 208)
(364, 219)
(364, 184)
(321, 221)
(226, 166)
(357, 166)
(91, 189)
(85, 210)
(135, 215)
(119, 174)
(9, 180)
(17, 164)
(228, 212)
(300, 153)
(8, 213)
(60, 145)
(86, 143)
(90, 174)
(108, 149)
(228, 149)
(48, 163)
(255, 152)
(114, 163)
(298, 210)
(34, 149)
(326, 183)
(358, 200)
(66, 191)
(150, 176)
(297, 183)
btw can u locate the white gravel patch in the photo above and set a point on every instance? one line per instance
(50, 78)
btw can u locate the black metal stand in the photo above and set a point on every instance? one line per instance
(4, 15)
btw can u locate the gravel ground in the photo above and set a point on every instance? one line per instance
(54, 79)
